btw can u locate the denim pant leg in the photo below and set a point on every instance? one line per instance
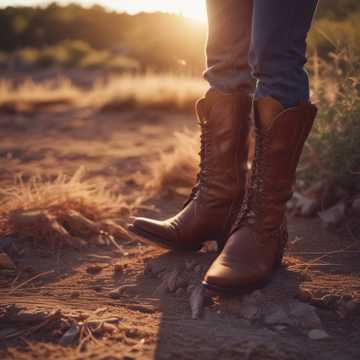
(278, 47)
(229, 33)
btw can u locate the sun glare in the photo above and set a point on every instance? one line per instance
(194, 9)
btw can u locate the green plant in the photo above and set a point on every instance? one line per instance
(332, 149)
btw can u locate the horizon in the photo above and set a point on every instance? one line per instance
(186, 8)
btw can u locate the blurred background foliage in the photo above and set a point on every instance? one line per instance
(73, 36)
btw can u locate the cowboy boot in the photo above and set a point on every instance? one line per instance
(210, 211)
(258, 237)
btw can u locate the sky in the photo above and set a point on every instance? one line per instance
(194, 9)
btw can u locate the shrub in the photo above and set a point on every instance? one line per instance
(333, 145)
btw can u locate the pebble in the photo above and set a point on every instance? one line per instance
(318, 334)
(154, 268)
(69, 336)
(277, 315)
(349, 309)
(333, 216)
(197, 302)
(305, 206)
(249, 312)
(172, 280)
(304, 315)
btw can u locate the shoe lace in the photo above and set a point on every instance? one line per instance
(251, 206)
(202, 175)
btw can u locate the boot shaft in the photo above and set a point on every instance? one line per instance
(279, 141)
(225, 124)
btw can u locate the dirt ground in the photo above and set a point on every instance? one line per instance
(146, 319)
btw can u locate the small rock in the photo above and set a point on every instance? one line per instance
(333, 216)
(250, 312)
(350, 308)
(305, 206)
(172, 280)
(304, 315)
(155, 268)
(161, 289)
(277, 315)
(197, 299)
(255, 298)
(318, 334)
(70, 336)
(180, 292)
(280, 328)
(94, 269)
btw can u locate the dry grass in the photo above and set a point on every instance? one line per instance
(160, 91)
(176, 171)
(30, 96)
(66, 210)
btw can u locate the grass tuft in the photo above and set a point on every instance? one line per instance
(65, 210)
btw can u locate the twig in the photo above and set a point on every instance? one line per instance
(112, 240)
(29, 280)
(87, 329)
(16, 277)
(321, 252)
(308, 265)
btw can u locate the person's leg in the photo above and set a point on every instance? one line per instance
(229, 33)
(278, 46)
(283, 120)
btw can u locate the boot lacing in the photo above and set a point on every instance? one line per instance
(204, 153)
(251, 208)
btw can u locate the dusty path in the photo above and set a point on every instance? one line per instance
(151, 321)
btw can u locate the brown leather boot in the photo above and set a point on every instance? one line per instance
(258, 237)
(211, 209)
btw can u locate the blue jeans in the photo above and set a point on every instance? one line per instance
(259, 43)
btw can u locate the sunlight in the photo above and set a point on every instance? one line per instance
(193, 9)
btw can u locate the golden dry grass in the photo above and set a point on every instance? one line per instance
(30, 95)
(160, 91)
(65, 210)
(176, 171)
